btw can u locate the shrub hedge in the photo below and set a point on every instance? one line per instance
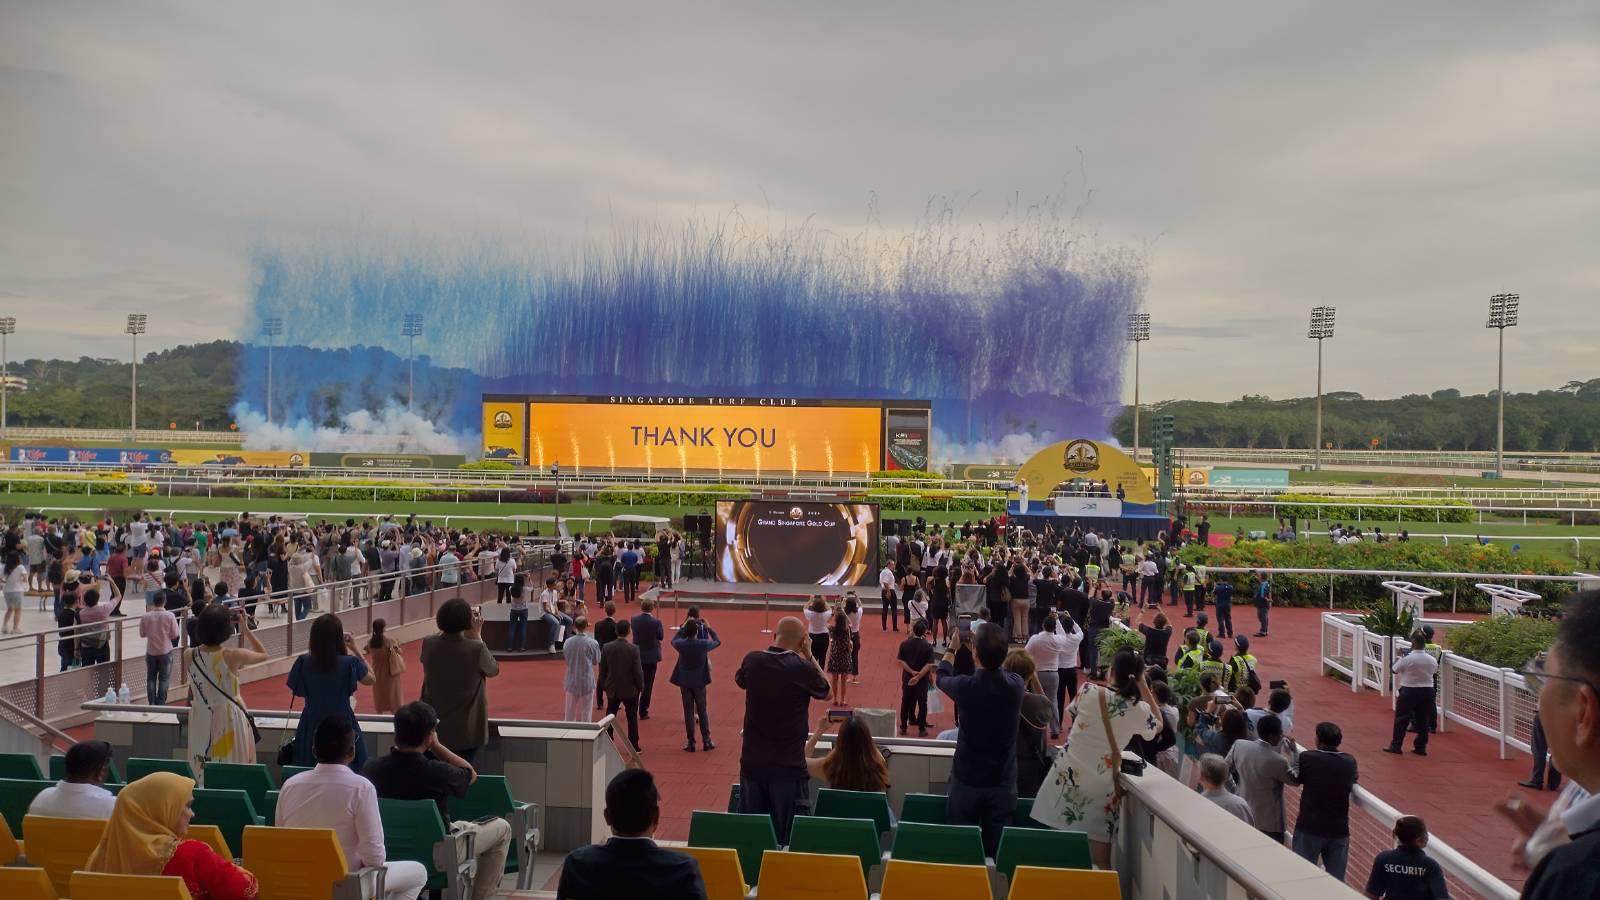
(1345, 509)
(1357, 590)
(696, 496)
(1505, 642)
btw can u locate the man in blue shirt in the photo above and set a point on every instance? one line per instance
(630, 572)
(983, 774)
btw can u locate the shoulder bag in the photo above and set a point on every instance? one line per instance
(1114, 760)
(199, 667)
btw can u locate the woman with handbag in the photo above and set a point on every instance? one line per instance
(220, 729)
(1083, 790)
(327, 675)
(387, 664)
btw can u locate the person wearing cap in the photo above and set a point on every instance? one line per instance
(1191, 654)
(1213, 660)
(1241, 666)
(1201, 628)
(1222, 601)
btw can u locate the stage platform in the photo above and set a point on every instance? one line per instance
(786, 598)
(1105, 515)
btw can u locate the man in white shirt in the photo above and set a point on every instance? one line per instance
(890, 609)
(333, 796)
(138, 534)
(80, 796)
(1414, 699)
(448, 562)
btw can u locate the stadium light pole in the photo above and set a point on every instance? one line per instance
(136, 327)
(555, 472)
(8, 327)
(271, 327)
(1502, 315)
(412, 328)
(1321, 329)
(1138, 333)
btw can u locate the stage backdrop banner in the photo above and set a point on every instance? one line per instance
(594, 438)
(1103, 507)
(1249, 477)
(505, 429)
(1085, 460)
(784, 542)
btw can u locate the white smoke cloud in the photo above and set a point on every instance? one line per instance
(1011, 449)
(394, 429)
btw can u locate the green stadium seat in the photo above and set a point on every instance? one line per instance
(227, 808)
(855, 837)
(751, 834)
(960, 845)
(1047, 848)
(21, 766)
(270, 811)
(490, 795)
(252, 778)
(414, 830)
(927, 808)
(287, 772)
(1022, 817)
(16, 795)
(139, 767)
(58, 770)
(872, 805)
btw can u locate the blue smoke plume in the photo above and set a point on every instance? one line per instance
(1016, 335)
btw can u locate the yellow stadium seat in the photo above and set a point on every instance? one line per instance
(26, 884)
(10, 847)
(61, 846)
(906, 880)
(810, 876)
(211, 836)
(1034, 883)
(719, 869)
(299, 863)
(100, 886)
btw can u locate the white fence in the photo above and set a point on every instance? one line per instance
(1494, 702)
(1364, 510)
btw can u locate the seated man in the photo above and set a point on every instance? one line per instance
(333, 796)
(630, 864)
(80, 796)
(408, 773)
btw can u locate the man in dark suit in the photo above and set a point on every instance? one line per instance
(605, 631)
(630, 864)
(692, 673)
(622, 678)
(647, 636)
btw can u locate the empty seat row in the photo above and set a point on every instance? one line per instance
(794, 875)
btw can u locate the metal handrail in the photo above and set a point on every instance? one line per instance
(50, 735)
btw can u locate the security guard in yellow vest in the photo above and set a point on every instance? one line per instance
(1213, 661)
(1190, 655)
(1240, 665)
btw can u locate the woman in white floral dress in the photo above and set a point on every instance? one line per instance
(1077, 795)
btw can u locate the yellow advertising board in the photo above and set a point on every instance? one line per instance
(1085, 460)
(705, 437)
(1182, 477)
(505, 428)
(239, 458)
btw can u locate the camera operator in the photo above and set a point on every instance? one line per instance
(692, 673)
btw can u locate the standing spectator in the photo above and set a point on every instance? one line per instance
(1567, 679)
(333, 796)
(408, 773)
(1407, 873)
(159, 628)
(326, 675)
(455, 668)
(631, 864)
(605, 631)
(1033, 753)
(505, 575)
(303, 580)
(889, 611)
(692, 674)
(1414, 703)
(1222, 599)
(983, 773)
(852, 613)
(16, 586)
(82, 794)
(387, 664)
(1078, 793)
(779, 684)
(1055, 653)
(648, 633)
(1214, 787)
(517, 622)
(1157, 636)
(1541, 761)
(916, 671)
(94, 638)
(582, 654)
(623, 677)
(1099, 620)
(1263, 770)
(147, 835)
(1263, 596)
(219, 728)
(630, 560)
(1327, 778)
(839, 657)
(818, 620)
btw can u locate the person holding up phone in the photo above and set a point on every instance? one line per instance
(854, 763)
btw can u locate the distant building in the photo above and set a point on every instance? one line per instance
(14, 383)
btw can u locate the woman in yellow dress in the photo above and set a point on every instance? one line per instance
(219, 728)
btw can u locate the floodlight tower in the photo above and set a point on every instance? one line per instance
(8, 327)
(1138, 333)
(136, 327)
(1321, 329)
(271, 327)
(1502, 315)
(412, 328)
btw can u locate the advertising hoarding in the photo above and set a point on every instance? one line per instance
(1221, 477)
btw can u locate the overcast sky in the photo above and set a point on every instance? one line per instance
(1401, 161)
